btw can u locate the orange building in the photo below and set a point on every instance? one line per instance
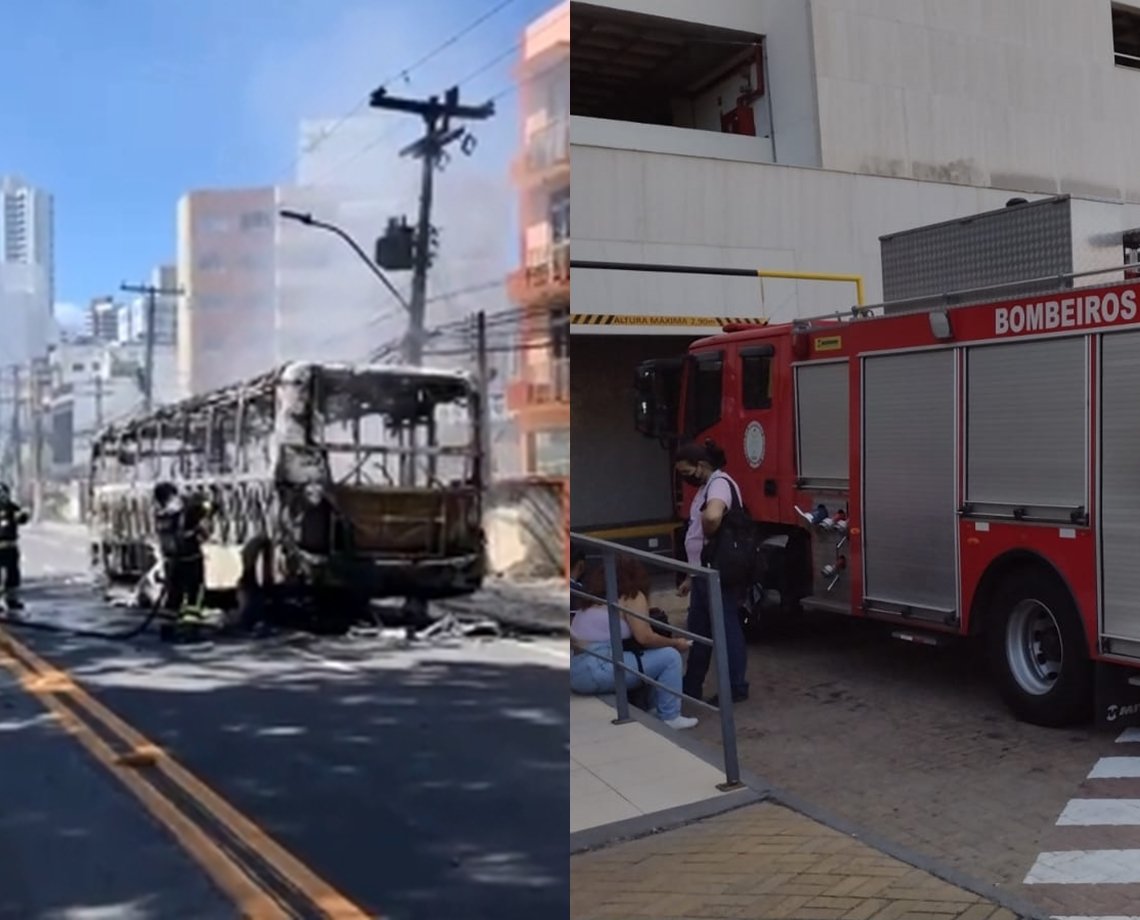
(539, 394)
(226, 269)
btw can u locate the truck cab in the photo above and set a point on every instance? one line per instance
(737, 389)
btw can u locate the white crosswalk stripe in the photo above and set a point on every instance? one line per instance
(1086, 812)
(1094, 854)
(1116, 768)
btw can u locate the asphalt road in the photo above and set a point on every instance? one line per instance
(416, 782)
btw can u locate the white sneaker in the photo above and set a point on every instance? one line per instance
(681, 722)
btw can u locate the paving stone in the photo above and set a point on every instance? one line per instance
(819, 874)
(912, 744)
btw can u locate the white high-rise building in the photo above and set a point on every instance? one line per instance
(27, 270)
(27, 228)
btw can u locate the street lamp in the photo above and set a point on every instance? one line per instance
(303, 217)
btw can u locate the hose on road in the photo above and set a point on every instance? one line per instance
(153, 612)
(121, 635)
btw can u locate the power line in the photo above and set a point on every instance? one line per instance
(404, 73)
(491, 350)
(448, 295)
(477, 72)
(506, 317)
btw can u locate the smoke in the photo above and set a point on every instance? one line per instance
(329, 306)
(24, 299)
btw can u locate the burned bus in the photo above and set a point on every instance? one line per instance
(325, 482)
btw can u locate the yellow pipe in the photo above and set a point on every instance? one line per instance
(857, 280)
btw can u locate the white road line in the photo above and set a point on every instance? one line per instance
(1089, 812)
(331, 663)
(1085, 867)
(562, 654)
(1113, 917)
(1116, 768)
(1129, 734)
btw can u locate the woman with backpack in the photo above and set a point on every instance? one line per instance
(702, 466)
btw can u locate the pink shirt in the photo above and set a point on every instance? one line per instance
(593, 625)
(717, 487)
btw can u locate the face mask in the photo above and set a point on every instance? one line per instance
(692, 479)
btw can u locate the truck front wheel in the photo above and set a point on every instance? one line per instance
(1038, 651)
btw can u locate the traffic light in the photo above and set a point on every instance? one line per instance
(394, 250)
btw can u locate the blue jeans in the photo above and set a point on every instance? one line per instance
(590, 675)
(700, 655)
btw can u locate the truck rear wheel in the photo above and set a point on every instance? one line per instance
(1038, 651)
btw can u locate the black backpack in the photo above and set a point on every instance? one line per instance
(734, 551)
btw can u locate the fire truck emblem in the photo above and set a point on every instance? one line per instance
(754, 444)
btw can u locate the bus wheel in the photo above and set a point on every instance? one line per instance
(1037, 650)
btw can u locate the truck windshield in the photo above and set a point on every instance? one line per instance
(395, 428)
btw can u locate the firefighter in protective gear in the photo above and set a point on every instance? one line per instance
(180, 527)
(12, 517)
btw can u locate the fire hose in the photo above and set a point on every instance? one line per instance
(152, 612)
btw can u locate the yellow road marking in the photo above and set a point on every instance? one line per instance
(326, 898)
(250, 897)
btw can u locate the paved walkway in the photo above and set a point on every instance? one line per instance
(766, 862)
(653, 837)
(623, 772)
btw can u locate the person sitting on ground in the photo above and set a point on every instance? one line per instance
(660, 656)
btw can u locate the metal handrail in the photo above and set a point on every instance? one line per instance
(609, 552)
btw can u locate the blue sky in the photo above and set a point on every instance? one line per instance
(119, 106)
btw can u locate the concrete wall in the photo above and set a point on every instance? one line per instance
(1019, 94)
(526, 528)
(632, 206)
(886, 115)
(916, 110)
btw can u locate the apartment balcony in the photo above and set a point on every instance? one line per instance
(546, 277)
(546, 156)
(542, 392)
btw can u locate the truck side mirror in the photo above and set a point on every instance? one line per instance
(657, 387)
(646, 411)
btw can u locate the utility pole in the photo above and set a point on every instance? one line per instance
(8, 460)
(484, 378)
(430, 150)
(36, 411)
(17, 434)
(98, 401)
(152, 292)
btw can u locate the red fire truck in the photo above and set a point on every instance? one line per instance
(965, 471)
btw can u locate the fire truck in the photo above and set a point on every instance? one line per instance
(964, 469)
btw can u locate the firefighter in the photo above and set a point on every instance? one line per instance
(180, 526)
(12, 517)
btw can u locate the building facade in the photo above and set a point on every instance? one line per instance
(539, 394)
(101, 320)
(133, 315)
(27, 228)
(226, 269)
(27, 270)
(791, 135)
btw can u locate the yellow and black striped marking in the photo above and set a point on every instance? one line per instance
(612, 319)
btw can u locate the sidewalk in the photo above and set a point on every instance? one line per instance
(653, 837)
